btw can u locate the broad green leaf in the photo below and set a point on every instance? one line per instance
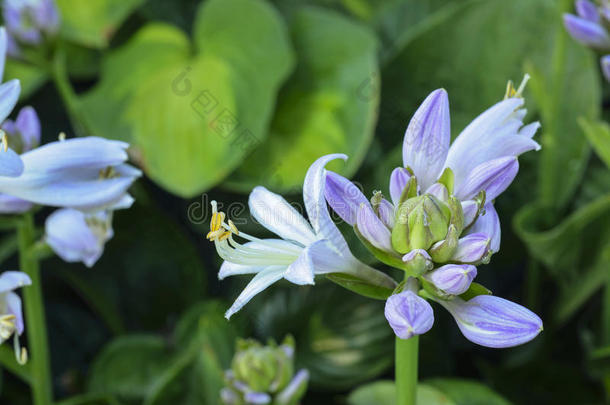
(93, 22)
(30, 76)
(328, 106)
(598, 134)
(129, 366)
(192, 111)
(466, 392)
(474, 290)
(341, 338)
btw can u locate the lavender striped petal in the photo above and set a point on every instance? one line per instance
(587, 32)
(398, 181)
(472, 248)
(493, 176)
(452, 278)
(372, 229)
(343, 196)
(408, 314)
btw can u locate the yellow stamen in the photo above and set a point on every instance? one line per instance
(511, 91)
(4, 140)
(217, 220)
(62, 136)
(233, 227)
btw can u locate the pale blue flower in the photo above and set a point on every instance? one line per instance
(83, 173)
(78, 237)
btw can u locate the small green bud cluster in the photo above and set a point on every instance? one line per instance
(264, 375)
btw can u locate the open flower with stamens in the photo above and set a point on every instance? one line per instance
(306, 248)
(441, 221)
(11, 316)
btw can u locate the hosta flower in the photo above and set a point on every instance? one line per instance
(407, 313)
(11, 316)
(264, 375)
(83, 173)
(28, 21)
(590, 28)
(304, 249)
(78, 237)
(440, 220)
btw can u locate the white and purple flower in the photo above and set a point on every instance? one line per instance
(441, 222)
(29, 22)
(306, 248)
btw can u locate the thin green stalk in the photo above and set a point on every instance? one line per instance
(62, 83)
(606, 313)
(42, 389)
(407, 352)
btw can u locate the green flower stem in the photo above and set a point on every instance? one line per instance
(62, 83)
(42, 389)
(406, 370)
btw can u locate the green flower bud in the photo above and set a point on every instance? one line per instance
(259, 371)
(420, 222)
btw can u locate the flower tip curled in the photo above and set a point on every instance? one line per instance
(493, 321)
(408, 314)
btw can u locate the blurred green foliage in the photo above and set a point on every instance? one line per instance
(217, 96)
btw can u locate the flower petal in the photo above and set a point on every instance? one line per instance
(259, 283)
(372, 229)
(276, 214)
(483, 128)
(408, 314)
(11, 280)
(295, 389)
(398, 181)
(13, 205)
(587, 10)
(343, 196)
(493, 176)
(489, 224)
(472, 248)
(587, 32)
(11, 164)
(427, 138)
(385, 210)
(9, 94)
(452, 278)
(71, 238)
(315, 203)
(470, 209)
(13, 305)
(493, 321)
(28, 125)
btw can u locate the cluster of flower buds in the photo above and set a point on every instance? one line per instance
(264, 375)
(441, 222)
(591, 28)
(29, 23)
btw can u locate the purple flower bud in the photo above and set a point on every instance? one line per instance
(385, 210)
(453, 279)
(427, 138)
(408, 314)
(257, 398)
(26, 128)
(372, 229)
(493, 321)
(343, 196)
(472, 248)
(587, 32)
(470, 209)
(587, 10)
(605, 63)
(489, 224)
(398, 181)
(418, 261)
